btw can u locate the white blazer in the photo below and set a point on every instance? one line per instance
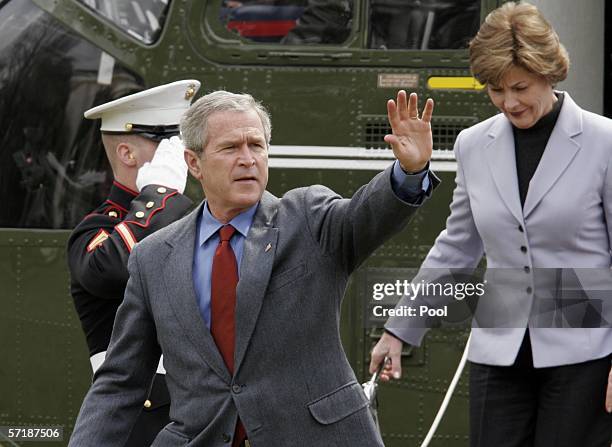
(563, 224)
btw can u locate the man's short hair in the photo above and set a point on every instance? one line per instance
(517, 35)
(194, 123)
(111, 141)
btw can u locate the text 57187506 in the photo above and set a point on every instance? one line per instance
(32, 433)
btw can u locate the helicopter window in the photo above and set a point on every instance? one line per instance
(142, 19)
(289, 22)
(423, 24)
(53, 169)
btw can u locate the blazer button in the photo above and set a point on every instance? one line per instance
(236, 389)
(527, 269)
(524, 249)
(226, 437)
(520, 228)
(529, 290)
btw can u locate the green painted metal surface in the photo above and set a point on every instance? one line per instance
(318, 96)
(44, 367)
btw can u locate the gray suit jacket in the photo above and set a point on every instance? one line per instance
(292, 383)
(564, 224)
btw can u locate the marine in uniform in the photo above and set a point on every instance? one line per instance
(139, 135)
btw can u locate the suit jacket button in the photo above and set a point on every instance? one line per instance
(236, 388)
(524, 249)
(520, 228)
(161, 190)
(226, 437)
(147, 403)
(139, 214)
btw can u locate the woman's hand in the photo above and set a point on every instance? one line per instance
(411, 138)
(391, 347)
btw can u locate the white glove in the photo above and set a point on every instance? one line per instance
(167, 168)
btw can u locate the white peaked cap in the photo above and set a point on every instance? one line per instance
(158, 106)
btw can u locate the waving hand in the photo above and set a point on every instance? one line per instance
(411, 138)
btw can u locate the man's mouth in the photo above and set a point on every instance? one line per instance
(246, 179)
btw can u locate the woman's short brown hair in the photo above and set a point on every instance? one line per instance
(517, 34)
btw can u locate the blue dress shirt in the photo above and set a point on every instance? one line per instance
(206, 244)
(408, 187)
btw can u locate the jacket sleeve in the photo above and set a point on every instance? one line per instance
(351, 229)
(607, 204)
(120, 386)
(99, 247)
(459, 246)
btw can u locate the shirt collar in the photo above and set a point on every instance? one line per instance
(209, 225)
(121, 196)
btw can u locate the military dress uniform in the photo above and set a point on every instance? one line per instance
(99, 247)
(98, 251)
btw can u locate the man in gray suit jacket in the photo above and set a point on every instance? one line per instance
(263, 365)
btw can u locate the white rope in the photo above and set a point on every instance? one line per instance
(447, 397)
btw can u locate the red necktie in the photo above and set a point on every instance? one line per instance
(224, 280)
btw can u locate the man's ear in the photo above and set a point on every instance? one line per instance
(194, 164)
(125, 154)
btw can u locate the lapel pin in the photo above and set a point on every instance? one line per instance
(268, 247)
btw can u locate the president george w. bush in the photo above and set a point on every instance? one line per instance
(242, 296)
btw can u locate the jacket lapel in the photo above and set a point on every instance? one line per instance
(255, 268)
(501, 160)
(178, 277)
(560, 151)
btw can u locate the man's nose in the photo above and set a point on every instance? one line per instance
(245, 155)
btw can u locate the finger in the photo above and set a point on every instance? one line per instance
(387, 371)
(413, 106)
(392, 140)
(177, 142)
(377, 358)
(395, 355)
(374, 362)
(402, 105)
(428, 110)
(392, 113)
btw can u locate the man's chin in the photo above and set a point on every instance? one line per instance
(245, 201)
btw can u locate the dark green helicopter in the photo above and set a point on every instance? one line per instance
(323, 68)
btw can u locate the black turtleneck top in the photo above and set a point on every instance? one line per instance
(529, 145)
